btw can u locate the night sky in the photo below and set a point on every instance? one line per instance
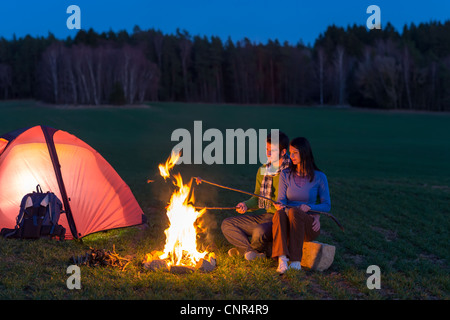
(258, 20)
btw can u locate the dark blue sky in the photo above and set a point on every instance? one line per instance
(258, 20)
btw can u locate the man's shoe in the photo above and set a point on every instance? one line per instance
(252, 255)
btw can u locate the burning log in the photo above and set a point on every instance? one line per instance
(207, 265)
(157, 264)
(181, 269)
(152, 262)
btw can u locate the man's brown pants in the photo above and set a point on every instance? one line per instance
(290, 229)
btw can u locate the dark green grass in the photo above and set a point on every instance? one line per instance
(389, 176)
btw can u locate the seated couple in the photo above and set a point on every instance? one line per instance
(294, 183)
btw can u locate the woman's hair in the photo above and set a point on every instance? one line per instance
(307, 164)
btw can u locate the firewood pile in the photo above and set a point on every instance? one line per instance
(102, 258)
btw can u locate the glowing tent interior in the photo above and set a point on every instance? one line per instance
(94, 196)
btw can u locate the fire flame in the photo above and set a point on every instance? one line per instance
(170, 163)
(181, 235)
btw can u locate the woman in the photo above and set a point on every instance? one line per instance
(300, 186)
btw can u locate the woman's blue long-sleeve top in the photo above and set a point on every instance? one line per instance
(295, 190)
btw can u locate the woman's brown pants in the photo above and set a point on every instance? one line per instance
(290, 229)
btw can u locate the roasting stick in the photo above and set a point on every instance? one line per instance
(216, 208)
(200, 180)
(233, 208)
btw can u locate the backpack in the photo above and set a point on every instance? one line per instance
(38, 217)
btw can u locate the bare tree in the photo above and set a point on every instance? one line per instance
(340, 73)
(185, 52)
(49, 71)
(158, 40)
(135, 73)
(406, 65)
(320, 71)
(379, 75)
(79, 74)
(70, 77)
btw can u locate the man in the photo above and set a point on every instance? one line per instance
(258, 227)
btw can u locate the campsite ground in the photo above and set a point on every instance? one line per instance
(389, 176)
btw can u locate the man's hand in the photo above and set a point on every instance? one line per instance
(241, 208)
(279, 206)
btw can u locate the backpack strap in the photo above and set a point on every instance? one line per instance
(54, 209)
(39, 189)
(45, 200)
(23, 205)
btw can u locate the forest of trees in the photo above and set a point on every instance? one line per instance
(345, 66)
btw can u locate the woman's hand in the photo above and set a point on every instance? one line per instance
(279, 206)
(316, 222)
(305, 207)
(241, 208)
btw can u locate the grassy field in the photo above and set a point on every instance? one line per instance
(389, 176)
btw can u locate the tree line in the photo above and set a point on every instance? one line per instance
(345, 66)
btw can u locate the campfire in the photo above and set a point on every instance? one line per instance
(180, 253)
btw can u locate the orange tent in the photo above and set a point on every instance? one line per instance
(94, 196)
